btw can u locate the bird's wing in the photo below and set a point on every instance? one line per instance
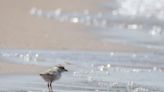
(51, 71)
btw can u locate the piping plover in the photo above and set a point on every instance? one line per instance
(52, 74)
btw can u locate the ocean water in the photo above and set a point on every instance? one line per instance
(88, 71)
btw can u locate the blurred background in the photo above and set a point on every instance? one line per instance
(77, 24)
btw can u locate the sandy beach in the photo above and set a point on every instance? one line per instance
(21, 31)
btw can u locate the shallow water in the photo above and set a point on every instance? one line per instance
(89, 71)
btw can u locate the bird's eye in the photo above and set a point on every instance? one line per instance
(61, 67)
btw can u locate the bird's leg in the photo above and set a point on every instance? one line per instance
(51, 87)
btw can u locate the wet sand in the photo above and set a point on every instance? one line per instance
(12, 68)
(25, 78)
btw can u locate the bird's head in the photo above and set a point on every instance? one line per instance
(62, 68)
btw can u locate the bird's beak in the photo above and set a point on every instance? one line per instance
(65, 70)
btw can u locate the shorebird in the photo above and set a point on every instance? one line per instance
(52, 75)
